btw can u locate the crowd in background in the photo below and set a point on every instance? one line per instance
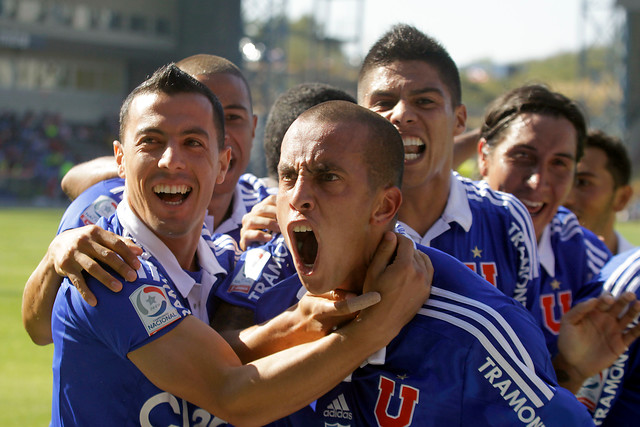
(37, 149)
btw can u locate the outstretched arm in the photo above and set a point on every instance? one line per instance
(593, 334)
(192, 361)
(84, 175)
(69, 254)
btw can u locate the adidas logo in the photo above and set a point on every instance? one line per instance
(338, 409)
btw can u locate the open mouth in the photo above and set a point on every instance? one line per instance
(534, 208)
(413, 148)
(172, 194)
(306, 246)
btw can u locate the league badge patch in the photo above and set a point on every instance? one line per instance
(254, 263)
(103, 206)
(153, 307)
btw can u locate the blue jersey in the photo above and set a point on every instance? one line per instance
(471, 356)
(491, 233)
(613, 396)
(94, 383)
(249, 191)
(99, 200)
(570, 256)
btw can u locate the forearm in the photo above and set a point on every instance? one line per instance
(568, 376)
(84, 175)
(282, 332)
(280, 384)
(37, 301)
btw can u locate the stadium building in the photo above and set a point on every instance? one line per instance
(79, 58)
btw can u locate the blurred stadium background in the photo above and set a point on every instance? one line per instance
(65, 66)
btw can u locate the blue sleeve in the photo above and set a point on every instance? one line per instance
(124, 321)
(258, 270)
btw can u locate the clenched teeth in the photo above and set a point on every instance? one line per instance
(171, 189)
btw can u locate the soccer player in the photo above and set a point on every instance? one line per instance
(232, 199)
(612, 396)
(601, 188)
(531, 141)
(410, 79)
(461, 360)
(141, 355)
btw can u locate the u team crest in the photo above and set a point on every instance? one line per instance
(153, 307)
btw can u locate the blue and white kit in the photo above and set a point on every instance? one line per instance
(570, 257)
(613, 396)
(98, 201)
(490, 232)
(460, 361)
(94, 383)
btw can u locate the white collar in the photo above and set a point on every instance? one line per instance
(545, 252)
(151, 243)
(457, 210)
(237, 212)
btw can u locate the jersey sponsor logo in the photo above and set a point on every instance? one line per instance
(547, 304)
(511, 393)
(409, 397)
(338, 408)
(254, 262)
(488, 271)
(103, 206)
(179, 408)
(153, 308)
(599, 392)
(517, 238)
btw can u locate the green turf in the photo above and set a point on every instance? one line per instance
(630, 230)
(25, 369)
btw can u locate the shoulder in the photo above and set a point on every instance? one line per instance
(622, 273)
(99, 200)
(568, 234)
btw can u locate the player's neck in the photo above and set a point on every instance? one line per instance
(221, 207)
(610, 239)
(423, 205)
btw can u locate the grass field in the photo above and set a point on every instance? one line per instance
(25, 369)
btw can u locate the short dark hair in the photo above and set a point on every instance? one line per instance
(171, 80)
(533, 98)
(286, 108)
(210, 65)
(618, 162)
(406, 43)
(384, 153)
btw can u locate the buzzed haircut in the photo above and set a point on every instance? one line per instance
(286, 108)
(406, 43)
(534, 98)
(210, 65)
(384, 152)
(618, 162)
(171, 80)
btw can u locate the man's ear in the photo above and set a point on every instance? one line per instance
(118, 152)
(224, 157)
(621, 198)
(387, 206)
(483, 157)
(461, 120)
